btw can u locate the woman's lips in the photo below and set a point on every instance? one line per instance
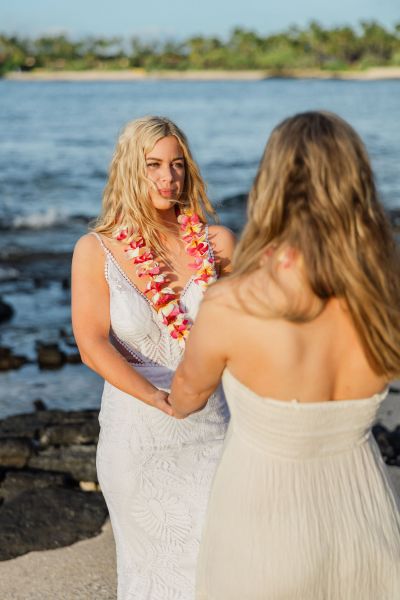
(166, 193)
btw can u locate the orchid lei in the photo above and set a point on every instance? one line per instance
(163, 298)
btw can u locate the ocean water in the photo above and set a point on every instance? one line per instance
(57, 139)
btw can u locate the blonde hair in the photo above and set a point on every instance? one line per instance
(126, 200)
(315, 191)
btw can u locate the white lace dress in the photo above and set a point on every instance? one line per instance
(155, 471)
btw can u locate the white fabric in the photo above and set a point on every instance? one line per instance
(155, 471)
(301, 507)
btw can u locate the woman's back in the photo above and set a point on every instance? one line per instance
(316, 361)
(301, 507)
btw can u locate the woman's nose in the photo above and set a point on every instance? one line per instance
(167, 173)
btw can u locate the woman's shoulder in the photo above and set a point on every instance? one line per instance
(88, 242)
(90, 245)
(223, 244)
(221, 236)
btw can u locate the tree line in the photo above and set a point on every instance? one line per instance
(370, 44)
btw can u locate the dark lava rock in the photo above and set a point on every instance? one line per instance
(50, 356)
(15, 452)
(6, 311)
(10, 361)
(66, 283)
(83, 432)
(73, 358)
(385, 440)
(16, 482)
(395, 440)
(38, 404)
(49, 518)
(78, 461)
(27, 425)
(81, 426)
(43, 457)
(32, 424)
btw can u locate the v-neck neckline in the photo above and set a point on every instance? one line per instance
(139, 291)
(180, 297)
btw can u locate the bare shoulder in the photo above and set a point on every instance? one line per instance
(221, 237)
(223, 243)
(87, 243)
(89, 247)
(88, 253)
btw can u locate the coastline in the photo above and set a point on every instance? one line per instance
(372, 74)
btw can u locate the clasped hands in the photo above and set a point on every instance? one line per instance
(161, 401)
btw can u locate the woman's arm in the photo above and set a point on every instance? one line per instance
(91, 325)
(204, 360)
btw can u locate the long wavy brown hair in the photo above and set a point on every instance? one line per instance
(126, 199)
(315, 192)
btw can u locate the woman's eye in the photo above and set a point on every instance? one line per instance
(152, 165)
(179, 165)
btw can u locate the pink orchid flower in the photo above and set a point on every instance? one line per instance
(121, 234)
(149, 269)
(163, 297)
(138, 243)
(197, 263)
(146, 256)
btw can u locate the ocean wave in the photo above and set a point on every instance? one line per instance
(8, 274)
(51, 218)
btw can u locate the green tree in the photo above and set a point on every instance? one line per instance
(14, 54)
(377, 43)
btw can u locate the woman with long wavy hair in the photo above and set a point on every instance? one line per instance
(308, 338)
(137, 282)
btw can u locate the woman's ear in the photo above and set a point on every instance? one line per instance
(287, 257)
(267, 254)
(284, 257)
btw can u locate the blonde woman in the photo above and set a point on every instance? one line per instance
(306, 335)
(137, 282)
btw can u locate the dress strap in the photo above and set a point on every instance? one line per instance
(106, 251)
(102, 244)
(210, 248)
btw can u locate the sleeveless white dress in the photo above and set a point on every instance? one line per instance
(155, 471)
(301, 507)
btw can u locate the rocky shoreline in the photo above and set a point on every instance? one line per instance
(49, 494)
(48, 355)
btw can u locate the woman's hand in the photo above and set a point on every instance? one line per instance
(177, 414)
(160, 401)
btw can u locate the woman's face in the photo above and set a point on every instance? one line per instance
(165, 167)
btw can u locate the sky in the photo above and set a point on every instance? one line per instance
(179, 19)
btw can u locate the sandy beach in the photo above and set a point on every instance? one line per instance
(376, 73)
(83, 571)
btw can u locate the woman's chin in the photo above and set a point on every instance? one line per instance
(163, 204)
